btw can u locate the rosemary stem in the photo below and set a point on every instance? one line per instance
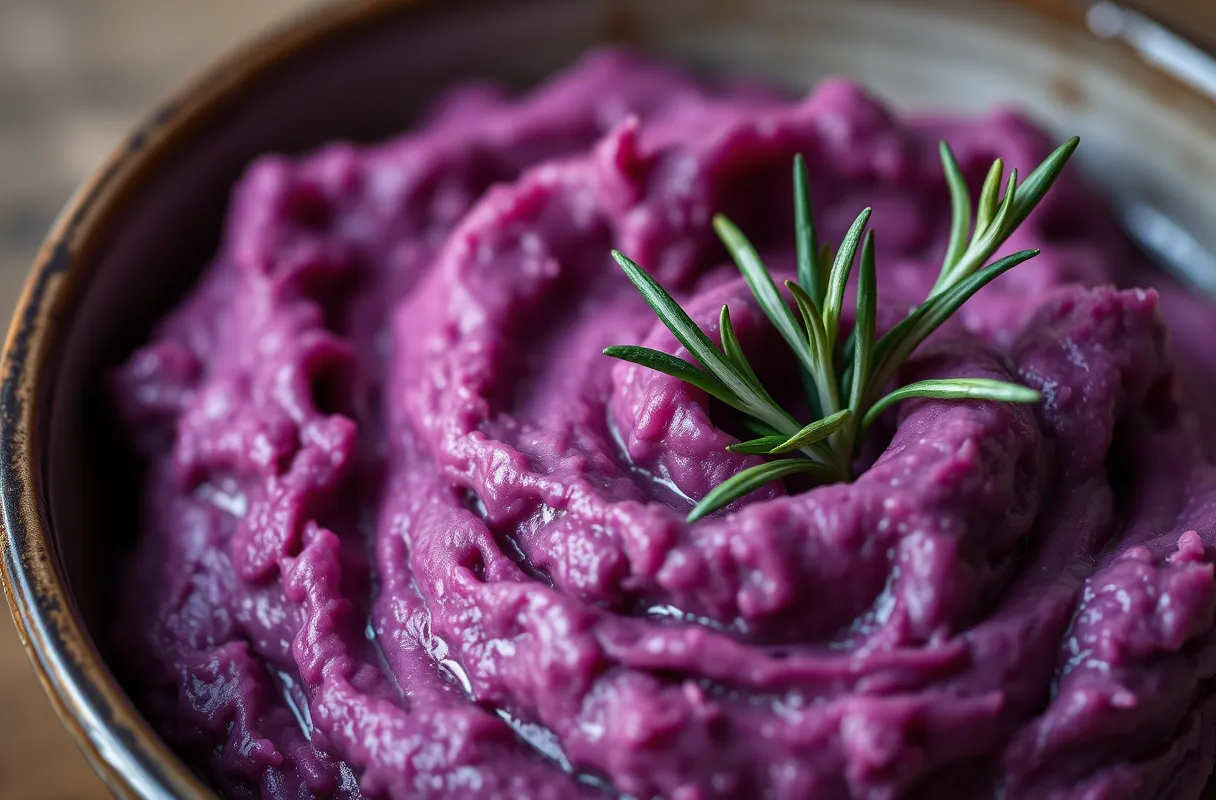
(847, 380)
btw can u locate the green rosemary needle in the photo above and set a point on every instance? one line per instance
(845, 377)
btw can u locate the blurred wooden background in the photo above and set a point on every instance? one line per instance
(74, 75)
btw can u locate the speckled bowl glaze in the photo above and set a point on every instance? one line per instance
(359, 70)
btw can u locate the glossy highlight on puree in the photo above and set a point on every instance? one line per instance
(405, 532)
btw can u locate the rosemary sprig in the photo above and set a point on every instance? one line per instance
(844, 377)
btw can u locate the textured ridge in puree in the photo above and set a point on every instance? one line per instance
(406, 533)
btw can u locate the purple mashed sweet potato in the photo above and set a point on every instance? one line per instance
(406, 532)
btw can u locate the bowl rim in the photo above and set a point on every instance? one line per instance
(122, 748)
(119, 744)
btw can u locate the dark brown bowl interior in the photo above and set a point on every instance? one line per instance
(136, 237)
(157, 239)
(130, 243)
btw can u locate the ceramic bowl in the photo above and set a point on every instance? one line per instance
(1138, 95)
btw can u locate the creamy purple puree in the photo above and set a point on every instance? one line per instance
(407, 533)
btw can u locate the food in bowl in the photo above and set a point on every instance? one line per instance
(406, 532)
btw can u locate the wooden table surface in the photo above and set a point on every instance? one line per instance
(74, 75)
